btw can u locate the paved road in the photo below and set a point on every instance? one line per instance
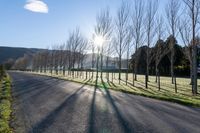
(49, 105)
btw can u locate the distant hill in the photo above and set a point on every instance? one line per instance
(14, 52)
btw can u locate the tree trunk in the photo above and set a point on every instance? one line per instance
(146, 82)
(63, 70)
(51, 71)
(175, 85)
(92, 74)
(127, 64)
(126, 77)
(112, 77)
(108, 77)
(194, 47)
(156, 73)
(158, 81)
(135, 71)
(133, 79)
(127, 69)
(86, 75)
(172, 61)
(147, 69)
(107, 72)
(120, 69)
(97, 67)
(195, 69)
(45, 70)
(191, 73)
(101, 64)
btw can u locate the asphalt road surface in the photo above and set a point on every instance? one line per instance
(48, 105)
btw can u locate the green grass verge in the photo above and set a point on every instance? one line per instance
(184, 95)
(5, 105)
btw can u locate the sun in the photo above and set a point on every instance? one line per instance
(99, 40)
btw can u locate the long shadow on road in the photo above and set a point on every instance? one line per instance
(41, 126)
(125, 125)
(92, 113)
(28, 88)
(22, 87)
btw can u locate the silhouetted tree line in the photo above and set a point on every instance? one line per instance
(162, 51)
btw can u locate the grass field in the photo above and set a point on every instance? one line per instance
(167, 92)
(5, 105)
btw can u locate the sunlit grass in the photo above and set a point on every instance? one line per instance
(167, 91)
(5, 105)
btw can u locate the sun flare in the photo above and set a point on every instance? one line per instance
(99, 40)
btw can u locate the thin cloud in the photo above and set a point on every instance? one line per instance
(36, 6)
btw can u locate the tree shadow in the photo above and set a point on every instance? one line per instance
(113, 84)
(109, 83)
(126, 126)
(41, 126)
(130, 85)
(174, 111)
(92, 113)
(37, 86)
(18, 80)
(47, 90)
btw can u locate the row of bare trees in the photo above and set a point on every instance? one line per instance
(137, 23)
(60, 58)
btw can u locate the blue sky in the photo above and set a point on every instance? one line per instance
(20, 27)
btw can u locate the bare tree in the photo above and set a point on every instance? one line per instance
(44, 60)
(122, 23)
(9, 63)
(138, 30)
(61, 50)
(128, 47)
(172, 13)
(34, 63)
(81, 53)
(93, 55)
(103, 28)
(161, 50)
(74, 42)
(193, 12)
(152, 7)
(40, 61)
(22, 63)
(51, 59)
(109, 50)
(185, 30)
(56, 58)
(69, 54)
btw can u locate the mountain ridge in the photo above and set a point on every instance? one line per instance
(7, 53)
